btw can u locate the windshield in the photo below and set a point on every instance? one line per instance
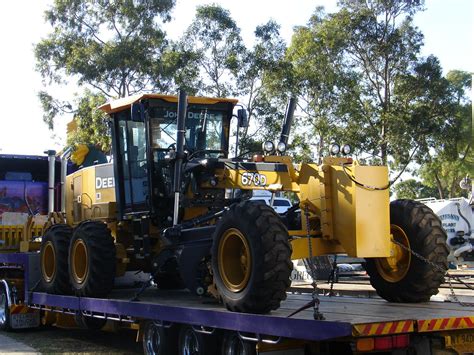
(204, 128)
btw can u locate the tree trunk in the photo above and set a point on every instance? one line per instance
(439, 186)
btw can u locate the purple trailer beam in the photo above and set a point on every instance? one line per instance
(244, 322)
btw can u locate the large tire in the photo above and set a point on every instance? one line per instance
(251, 235)
(4, 309)
(54, 259)
(92, 260)
(192, 342)
(412, 280)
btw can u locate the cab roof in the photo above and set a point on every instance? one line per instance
(121, 104)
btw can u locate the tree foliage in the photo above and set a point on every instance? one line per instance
(90, 125)
(111, 46)
(215, 40)
(413, 189)
(451, 157)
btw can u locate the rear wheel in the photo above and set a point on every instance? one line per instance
(193, 343)
(54, 259)
(4, 309)
(251, 258)
(92, 260)
(403, 277)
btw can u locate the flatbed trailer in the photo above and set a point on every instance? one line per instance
(350, 325)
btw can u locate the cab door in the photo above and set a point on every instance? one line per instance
(131, 166)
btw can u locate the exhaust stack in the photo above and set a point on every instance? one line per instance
(181, 116)
(51, 172)
(285, 131)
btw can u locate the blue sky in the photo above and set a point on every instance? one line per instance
(447, 27)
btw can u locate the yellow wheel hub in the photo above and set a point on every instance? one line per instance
(48, 262)
(235, 260)
(395, 267)
(79, 261)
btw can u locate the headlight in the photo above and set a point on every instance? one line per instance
(346, 149)
(334, 149)
(268, 147)
(281, 147)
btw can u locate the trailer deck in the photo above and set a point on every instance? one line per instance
(345, 317)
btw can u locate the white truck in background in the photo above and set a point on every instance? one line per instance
(457, 217)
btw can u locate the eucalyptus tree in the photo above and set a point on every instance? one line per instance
(112, 47)
(346, 66)
(451, 157)
(215, 40)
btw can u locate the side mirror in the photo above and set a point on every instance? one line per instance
(137, 112)
(242, 118)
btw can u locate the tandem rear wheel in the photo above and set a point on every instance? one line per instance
(80, 261)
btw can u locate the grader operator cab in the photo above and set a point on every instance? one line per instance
(163, 206)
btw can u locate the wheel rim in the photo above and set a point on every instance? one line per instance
(48, 262)
(395, 268)
(235, 261)
(3, 308)
(190, 343)
(80, 260)
(152, 339)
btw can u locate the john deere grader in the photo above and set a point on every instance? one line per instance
(173, 204)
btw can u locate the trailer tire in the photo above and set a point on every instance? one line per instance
(411, 280)
(252, 235)
(4, 309)
(92, 260)
(54, 259)
(192, 342)
(159, 340)
(232, 344)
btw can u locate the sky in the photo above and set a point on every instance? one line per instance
(447, 27)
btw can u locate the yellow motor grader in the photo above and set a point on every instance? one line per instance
(174, 204)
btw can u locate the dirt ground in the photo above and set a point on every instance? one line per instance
(50, 340)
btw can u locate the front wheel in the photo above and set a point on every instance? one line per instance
(404, 277)
(251, 258)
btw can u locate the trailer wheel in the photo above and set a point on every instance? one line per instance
(92, 259)
(404, 277)
(232, 344)
(192, 342)
(54, 259)
(4, 309)
(158, 340)
(251, 258)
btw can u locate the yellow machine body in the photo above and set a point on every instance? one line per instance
(90, 194)
(344, 217)
(347, 206)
